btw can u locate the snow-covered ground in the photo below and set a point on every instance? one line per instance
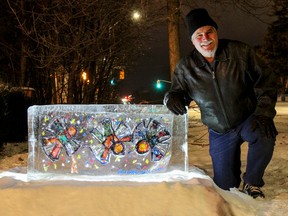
(193, 194)
(276, 175)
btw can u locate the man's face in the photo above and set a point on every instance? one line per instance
(205, 40)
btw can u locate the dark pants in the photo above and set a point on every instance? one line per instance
(225, 153)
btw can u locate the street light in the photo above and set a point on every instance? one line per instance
(136, 15)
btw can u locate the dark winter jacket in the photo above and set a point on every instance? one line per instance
(230, 89)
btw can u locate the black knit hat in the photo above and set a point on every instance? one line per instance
(198, 18)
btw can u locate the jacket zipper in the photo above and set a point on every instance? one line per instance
(220, 97)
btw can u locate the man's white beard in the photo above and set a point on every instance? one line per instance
(208, 53)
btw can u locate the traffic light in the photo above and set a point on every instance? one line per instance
(121, 74)
(117, 76)
(158, 84)
(112, 82)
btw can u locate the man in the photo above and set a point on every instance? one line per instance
(236, 99)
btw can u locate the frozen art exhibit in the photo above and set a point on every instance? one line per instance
(110, 142)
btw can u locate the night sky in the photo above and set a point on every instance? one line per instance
(232, 24)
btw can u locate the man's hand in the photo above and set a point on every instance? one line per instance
(266, 126)
(176, 103)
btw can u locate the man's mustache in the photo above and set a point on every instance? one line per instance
(206, 43)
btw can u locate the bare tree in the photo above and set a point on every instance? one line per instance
(65, 39)
(275, 47)
(9, 46)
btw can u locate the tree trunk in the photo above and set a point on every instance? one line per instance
(23, 58)
(23, 63)
(173, 14)
(284, 81)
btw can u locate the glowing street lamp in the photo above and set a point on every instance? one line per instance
(136, 15)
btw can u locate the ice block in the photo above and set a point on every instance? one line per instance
(105, 141)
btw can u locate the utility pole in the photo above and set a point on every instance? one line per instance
(173, 14)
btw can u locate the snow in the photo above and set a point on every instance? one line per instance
(177, 193)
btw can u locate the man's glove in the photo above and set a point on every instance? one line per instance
(176, 103)
(265, 124)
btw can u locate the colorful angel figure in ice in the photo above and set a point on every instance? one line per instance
(111, 136)
(152, 137)
(63, 138)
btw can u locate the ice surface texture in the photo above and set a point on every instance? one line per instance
(105, 140)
